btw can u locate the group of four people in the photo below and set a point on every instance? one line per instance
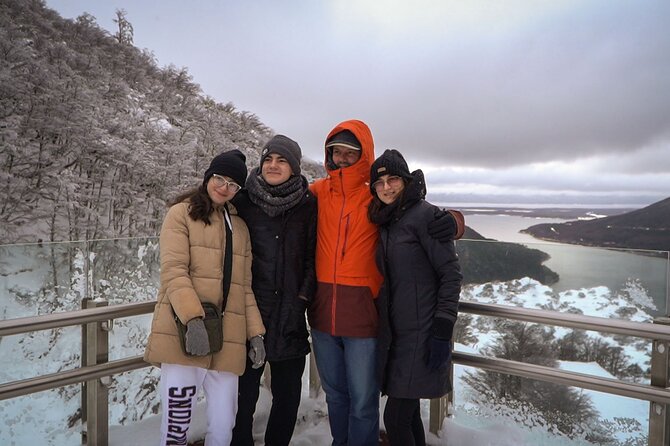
(371, 262)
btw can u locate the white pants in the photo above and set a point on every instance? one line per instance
(179, 389)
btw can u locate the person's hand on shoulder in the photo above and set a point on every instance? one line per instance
(447, 225)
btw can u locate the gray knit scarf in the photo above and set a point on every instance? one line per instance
(275, 199)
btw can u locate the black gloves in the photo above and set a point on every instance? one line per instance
(444, 227)
(440, 342)
(439, 354)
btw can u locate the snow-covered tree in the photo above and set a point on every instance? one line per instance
(125, 33)
(569, 410)
(96, 137)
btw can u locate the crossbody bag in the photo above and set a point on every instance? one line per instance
(213, 319)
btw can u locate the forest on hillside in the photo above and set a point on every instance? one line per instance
(645, 228)
(95, 136)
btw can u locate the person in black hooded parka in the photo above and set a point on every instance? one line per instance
(418, 302)
(280, 213)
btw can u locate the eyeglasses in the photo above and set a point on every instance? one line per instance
(393, 182)
(220, 181)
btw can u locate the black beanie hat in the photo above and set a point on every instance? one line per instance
(230, 164)
(285, 147)
(390, 162)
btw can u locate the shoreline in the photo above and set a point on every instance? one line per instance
(550, 212)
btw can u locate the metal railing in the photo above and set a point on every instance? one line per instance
(100, 316)
(93, 371)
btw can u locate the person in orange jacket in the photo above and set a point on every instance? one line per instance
(343, 316)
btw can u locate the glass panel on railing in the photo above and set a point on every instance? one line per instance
(52, 417)
(124, 270)
(494, 408)
(41, 278)
(601, 354)
(47, 278)
(616, 283)
(39, 353)
(134, 407)
(128, 336)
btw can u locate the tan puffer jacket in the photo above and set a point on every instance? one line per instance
(192, 271)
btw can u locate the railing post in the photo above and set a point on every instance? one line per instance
(95, 404)
(438, 412)
(659, 414)
(439, 407)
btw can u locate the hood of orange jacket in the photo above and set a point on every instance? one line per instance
(359, 172)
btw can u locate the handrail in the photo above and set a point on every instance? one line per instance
(78, 317)
(524, 370)
(592, 323)
(75, 376)
(558, 376)
(636, 329)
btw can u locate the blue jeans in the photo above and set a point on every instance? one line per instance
(347, 371)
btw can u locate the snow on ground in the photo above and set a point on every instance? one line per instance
(596, 301)
(613, 407)
(629, 303)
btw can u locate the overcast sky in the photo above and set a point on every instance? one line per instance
(526, 100)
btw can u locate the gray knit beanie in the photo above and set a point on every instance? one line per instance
(285, 147)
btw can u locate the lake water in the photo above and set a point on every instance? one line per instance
(582, 266)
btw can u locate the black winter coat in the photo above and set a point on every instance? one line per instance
(282, 268)
(422, 280)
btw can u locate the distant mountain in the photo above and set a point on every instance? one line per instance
(646, 228)
(485, 260)
(95, 136)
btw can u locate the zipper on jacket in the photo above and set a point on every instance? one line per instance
(333, 309)
(346, 236)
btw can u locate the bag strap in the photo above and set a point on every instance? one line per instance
(228, 258)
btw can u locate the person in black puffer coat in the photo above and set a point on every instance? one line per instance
(418, 302)
(280, 213)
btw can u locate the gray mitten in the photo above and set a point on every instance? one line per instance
(197, 341)
(257, 352)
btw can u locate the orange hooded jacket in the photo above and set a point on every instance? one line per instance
(348, 280)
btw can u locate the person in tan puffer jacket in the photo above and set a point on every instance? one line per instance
(192, 250)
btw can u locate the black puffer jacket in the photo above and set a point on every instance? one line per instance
(422, 280)
(283, 268)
